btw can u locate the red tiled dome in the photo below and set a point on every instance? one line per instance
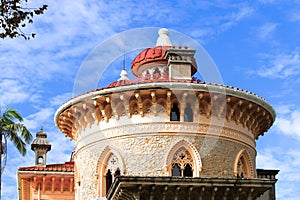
(156, 53)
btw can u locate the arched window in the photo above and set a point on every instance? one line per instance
(40, 160)
(242, 168)
(188, 171)
(117, 173)
(108, 180)
(176, 171)
(110, 165)
(243, 165)
(175, 113)
(182, 163)
(188, 113)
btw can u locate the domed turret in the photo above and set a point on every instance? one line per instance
(165, 61)
(40, 146)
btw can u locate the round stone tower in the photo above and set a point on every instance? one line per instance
(166, 124)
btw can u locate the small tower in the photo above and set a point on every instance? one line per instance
(40, 146)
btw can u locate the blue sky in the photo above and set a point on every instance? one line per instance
(255, 45)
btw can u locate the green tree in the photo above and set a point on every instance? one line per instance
(15, 15)
(12, 128)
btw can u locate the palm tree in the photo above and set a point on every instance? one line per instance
(12, 128)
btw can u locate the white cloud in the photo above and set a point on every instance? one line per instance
(287, 161)
(38, 119)
(61, 147)
(289, 124)
(295, 16)
(58, 100)
(281, 65)
(12, 92)
(234, 18)
(284, 109)
(266, 1)
(265, 31)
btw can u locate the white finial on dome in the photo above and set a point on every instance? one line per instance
(163, 38)
(123, 75)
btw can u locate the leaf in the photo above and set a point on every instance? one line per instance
(14, 17)
(17, 133)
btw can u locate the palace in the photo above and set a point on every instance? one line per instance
(166, 136)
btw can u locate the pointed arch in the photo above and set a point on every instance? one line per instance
(120, 109)
(243, 166)
(147, 104)
(205, 106)
(188, 113)
(194, 162)
(110, 164)
(133, 107)
(175, 110)
(194, 103)
(161, 106)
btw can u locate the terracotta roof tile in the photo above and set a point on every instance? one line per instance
(64, 167)
(156, 53)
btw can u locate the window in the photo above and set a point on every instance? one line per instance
(176, 171)
(108, 179)
(241, 168)
(175, 114)
(188, 113)
(113, 171)
(110, 166)
(188, 171)
(117, 173)
(182, 164)
(40, 160)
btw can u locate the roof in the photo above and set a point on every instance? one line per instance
(64, 167)
(129, 187)
(41, 140)
(152, 54)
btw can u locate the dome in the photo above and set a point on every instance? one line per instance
(161, 56)
(153, 54)
(41, 140)
(41, 134)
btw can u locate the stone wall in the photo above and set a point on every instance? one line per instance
(143, 150)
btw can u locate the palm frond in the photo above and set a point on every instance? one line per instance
(13, 114)
(15, 131)
(12, 135)
(5, 121)
(25, 133)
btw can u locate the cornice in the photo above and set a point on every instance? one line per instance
(241, 106)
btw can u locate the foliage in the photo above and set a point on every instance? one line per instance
(12, 128)
(14, 16)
